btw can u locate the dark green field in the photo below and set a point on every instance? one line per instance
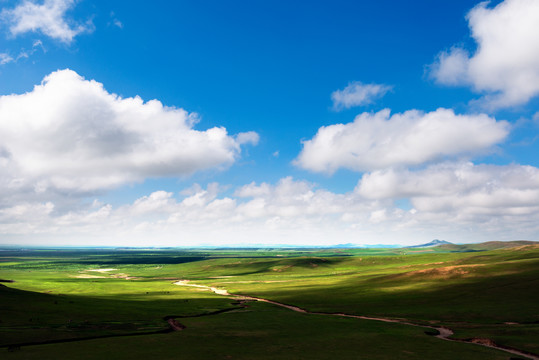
(115, 303)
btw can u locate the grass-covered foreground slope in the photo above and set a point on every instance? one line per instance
(81, 294)
(264, 331)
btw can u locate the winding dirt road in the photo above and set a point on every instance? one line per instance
(443, 332)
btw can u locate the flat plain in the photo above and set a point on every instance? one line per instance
(200, 303)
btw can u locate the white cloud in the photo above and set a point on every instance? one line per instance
(48, 18)
(451, 67)
(25, 211)
(505, 66)
(158, 201)
(115, 21)
(70, 136)
(289, 211)
(460, 191)
(378, 140)
(5, 58)
(378, 216)
(290, 199)
(358, 94)
(249, 137)
(472, 203)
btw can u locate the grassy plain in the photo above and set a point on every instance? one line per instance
(68, 294)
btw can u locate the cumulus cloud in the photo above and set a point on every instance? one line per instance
(452, 179)
(380, 140)
(48, 18)
(505, 66)
(249, 137)
(451, 67)
(290, 211)
(69, 135)
(499, 198)
(471, 203)
(291, 199)
(358, 94)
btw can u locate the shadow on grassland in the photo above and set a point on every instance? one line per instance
(31, 318)
(264, 331)
(510, 294)
(504, 297)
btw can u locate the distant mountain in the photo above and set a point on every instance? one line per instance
(354, 246)
(346, 246)
(433, 243)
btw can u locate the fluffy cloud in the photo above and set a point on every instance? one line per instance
(290, 211)
(377, 141)
(249, 137)
(49, 18)
(69, 135)
(358, 94)
(461, 191)
(505, 65)
(456, 201)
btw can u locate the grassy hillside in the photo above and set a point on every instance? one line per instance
(466, 291)
(489, 245)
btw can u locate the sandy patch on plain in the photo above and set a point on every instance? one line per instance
(416, 265)
(124, 276)
(254, 281)
(219, 291)
(203, 287)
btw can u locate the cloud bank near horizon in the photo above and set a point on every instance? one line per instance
(449, 199)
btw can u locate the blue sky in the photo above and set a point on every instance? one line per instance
(187, 123)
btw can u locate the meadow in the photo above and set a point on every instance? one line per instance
(125, 303)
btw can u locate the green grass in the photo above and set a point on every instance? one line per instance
(56, 296)
(31, 316)
(264, 331)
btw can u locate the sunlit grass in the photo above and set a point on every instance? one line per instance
(471, 292)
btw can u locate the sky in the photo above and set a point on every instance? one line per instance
(189, 123)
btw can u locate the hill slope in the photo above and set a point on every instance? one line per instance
(434, 242)
(489, 245)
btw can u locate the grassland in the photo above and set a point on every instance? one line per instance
(121, 298)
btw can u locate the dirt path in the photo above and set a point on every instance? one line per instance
(203, 287)
(175, 325)
(443, 332)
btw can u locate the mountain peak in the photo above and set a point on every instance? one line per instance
(434, 242)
